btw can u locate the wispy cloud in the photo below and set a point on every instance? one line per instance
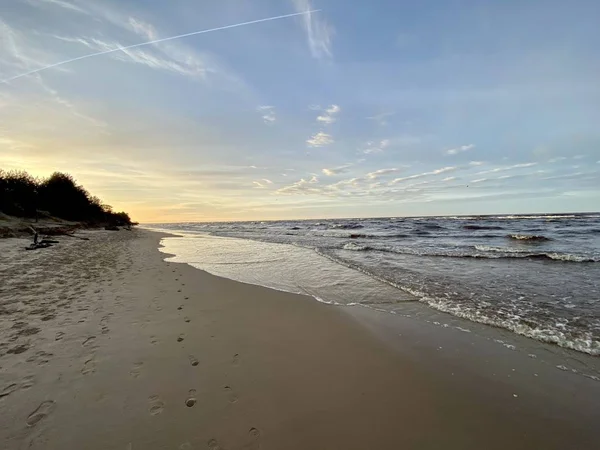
(377, 147)
(182, 63)
(320, 139)
(59, 3)
(506, 168)
(336, 170)
(262, 183)
(382, 118)
(268, 114)
(318, 32)
(329, 116)
(424, 174)
(461, 149)
(382, 172)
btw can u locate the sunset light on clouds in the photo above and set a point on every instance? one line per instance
(387, 108)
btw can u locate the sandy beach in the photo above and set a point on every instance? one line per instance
(104, 345)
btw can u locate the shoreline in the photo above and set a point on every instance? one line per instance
(115, 361)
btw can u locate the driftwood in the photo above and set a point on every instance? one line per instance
(44, 243)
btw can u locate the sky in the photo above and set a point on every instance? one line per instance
(361, 109)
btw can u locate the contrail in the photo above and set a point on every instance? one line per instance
(157, 41)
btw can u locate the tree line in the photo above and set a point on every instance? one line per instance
(59, 195)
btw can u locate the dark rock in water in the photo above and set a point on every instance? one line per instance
(356, 236)
(295, 228)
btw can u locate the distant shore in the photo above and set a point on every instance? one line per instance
(103, 345)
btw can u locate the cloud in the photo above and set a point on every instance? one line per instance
(300, 187)
(424, 174)
(377, 147)
(262, 183)
(461, 149)
(476, 163)
(381, 118)
(166, 59)
(382, 172)
(505, 168)
(269, 116)
(449, 179)
(329, 115)
(480, 180)
(320, 139)
(336, 170)
(318, 32)
(60, 3)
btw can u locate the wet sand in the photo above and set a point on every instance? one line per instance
(103, 345)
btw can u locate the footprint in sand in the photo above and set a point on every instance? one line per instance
(27, 382)
(236, 359)
(193, 361)
(88, 341)
(7, 390)
(191, 401)
(187, 320)
(59, 336)
(153, 340)
(18, 349)
(254, 434)
(89, 366)
(178, 290)
(156, 405)
(136, 370)
(214, 445)
(180, 338)
(231, 396)
(185, 446)
(40, 412)
(179, 308)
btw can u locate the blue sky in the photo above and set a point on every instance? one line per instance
(378, 108)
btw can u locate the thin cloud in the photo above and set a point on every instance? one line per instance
(382, 172)
(506, 168)
(318, 32)
(268, 114)
(329, 116)
(461, 149)
(377, 147)
(382, 119)
(336, 170)
(424, 174)
(152, 42)
(320, 139)
(60, 3)
(262, 184)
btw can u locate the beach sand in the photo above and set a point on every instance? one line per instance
(103, 345)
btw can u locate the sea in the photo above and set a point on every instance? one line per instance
(536, 275)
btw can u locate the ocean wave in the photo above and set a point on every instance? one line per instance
(529, 237)
(355, 247)
(482, 227)
(583, 342)
(346, 226)
(485, 252)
